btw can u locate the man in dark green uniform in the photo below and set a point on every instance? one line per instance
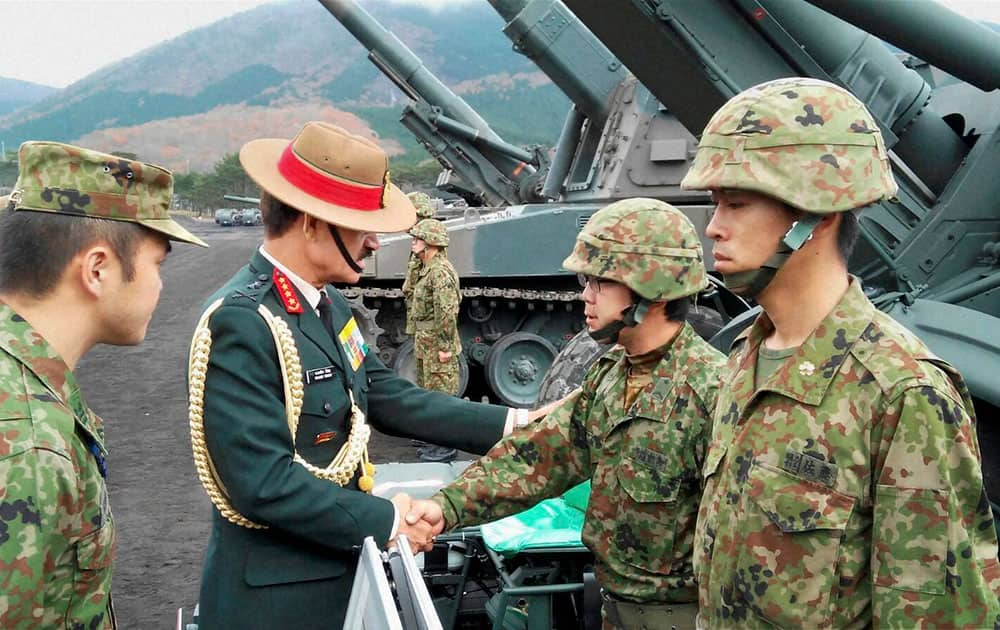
(281, 383)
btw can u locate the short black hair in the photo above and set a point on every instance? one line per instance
(677, 310)
(278, 216)
(36, 247)
(847, 234)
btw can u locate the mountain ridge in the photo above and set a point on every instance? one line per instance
(241, 77)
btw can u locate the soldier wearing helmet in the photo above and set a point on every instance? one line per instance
(433, 312)
(637, 428)
(425, 210)
(843, 484)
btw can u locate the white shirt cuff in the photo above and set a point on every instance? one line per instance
(395, 523)
(516, 418)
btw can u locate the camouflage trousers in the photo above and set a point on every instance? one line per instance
(441, 377)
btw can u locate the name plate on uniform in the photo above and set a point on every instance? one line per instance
(319, 374)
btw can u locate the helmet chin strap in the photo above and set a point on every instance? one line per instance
(751, 283)
(335, 233)
(632, 315)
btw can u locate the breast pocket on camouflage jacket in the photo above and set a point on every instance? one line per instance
(792, 527)
(652, 478)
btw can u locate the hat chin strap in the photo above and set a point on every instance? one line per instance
(751, 283)
(335, 233)
(632, 315)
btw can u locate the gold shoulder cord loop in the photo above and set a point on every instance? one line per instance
(353, 454)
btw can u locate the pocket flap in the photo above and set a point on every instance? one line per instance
(642, 474)
(286, 564)
(96, 551)
(797, 505)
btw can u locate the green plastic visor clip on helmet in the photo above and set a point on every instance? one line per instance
(808, 143)
(430, 231)
(646, 245)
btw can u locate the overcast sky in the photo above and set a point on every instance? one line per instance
(57, 42)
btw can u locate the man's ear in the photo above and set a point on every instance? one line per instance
(95, 268)
(309, 226)
(828, 225)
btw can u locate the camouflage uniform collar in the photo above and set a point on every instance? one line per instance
(807, 374)
(670, 370)
(42, 360)
(425, 268)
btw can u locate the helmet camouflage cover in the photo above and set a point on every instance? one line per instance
(430, 231)
(645, 244)
(806, 142)
(64, 179)
(423, 204)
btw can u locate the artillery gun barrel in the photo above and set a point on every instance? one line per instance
(565, 50)
(405, 65)
(930, 31)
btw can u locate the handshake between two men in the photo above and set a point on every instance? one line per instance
(420, 520)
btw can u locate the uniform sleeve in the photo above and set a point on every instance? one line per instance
(37, 485)
(398, 407)
(539, 461)
(251, 447)
(934, 551)
(446, 301)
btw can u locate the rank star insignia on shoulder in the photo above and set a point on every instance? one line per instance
(286, 292)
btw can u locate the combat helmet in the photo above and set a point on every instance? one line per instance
(430, 231)
(807, 143)
(646, 245)
(423, 204)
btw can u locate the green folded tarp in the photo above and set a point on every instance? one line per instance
(550, 524)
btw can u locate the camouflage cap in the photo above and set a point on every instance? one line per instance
(645, 244)
(806, 142)
(422, 202)
(431, 231)
(64, 179)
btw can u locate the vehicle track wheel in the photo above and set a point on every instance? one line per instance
(516, 365)
(365, 317)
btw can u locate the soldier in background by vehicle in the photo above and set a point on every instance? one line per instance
(434, 313)
(638, 427)
(422, 204)
(843, 479)
(82, 238)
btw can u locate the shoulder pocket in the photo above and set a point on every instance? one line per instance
(910, 544)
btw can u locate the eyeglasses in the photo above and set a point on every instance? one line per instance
(592, 281)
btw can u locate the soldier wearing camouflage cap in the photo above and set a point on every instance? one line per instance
(82, 238)
(433, 313)
(843, 485)
(637, 428)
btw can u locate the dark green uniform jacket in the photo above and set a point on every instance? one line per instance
(298, 573)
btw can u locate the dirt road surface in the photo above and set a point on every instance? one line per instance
(162, 513)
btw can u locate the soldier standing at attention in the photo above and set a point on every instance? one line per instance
(637, 428)
(283, 388)
(82, 238)
(434, 313)
(843, 485)
(425, 210)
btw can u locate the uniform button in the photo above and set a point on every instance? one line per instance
(262, 277)
(327, 407)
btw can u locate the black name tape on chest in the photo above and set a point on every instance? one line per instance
(319, 374)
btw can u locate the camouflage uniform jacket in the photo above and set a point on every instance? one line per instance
(847, 490)
(644, 465)
(57, 534)
(413, 267)
(436, 299)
